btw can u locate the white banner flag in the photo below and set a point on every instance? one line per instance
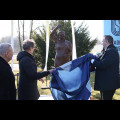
(74, 54)
(47, 44)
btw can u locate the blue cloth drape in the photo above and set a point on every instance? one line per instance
(71, 81)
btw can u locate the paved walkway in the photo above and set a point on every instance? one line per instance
(46, 97)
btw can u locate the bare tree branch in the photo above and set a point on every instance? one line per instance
(19, 35)
(31, 29)
(23, 29)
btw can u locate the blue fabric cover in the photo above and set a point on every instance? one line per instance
(71, 81)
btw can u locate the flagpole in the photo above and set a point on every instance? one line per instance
(12, 43)
(74, 54)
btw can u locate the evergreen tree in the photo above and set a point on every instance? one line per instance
(84, 44)
(40, 49)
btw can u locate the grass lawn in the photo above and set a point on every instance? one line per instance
(14, 61)
(95, 95)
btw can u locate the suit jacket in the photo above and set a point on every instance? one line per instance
(7, 81)
(107, 70)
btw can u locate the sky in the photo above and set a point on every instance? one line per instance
(95, 28)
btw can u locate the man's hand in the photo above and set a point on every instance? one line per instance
(51, 70)
(92, 61)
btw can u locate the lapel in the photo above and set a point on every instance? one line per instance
(103, 54)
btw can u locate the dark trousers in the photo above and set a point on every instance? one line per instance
(107, 95)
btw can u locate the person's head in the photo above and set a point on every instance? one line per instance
(61, 34)
(6, 51)
(107, 40)
(28, 45)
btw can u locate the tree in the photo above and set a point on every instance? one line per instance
(84, 44)
(31, 28)
(23, 29)
(40, 48)
(20, 22)
(19, 35)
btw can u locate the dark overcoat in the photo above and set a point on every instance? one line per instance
(107, 70)
(7, 81)
(28, 89)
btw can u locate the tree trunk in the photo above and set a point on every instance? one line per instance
(31, 27)
(23, 30)
(19, 35)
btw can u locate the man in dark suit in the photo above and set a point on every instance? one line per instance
(107, 70)
(7, 79)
